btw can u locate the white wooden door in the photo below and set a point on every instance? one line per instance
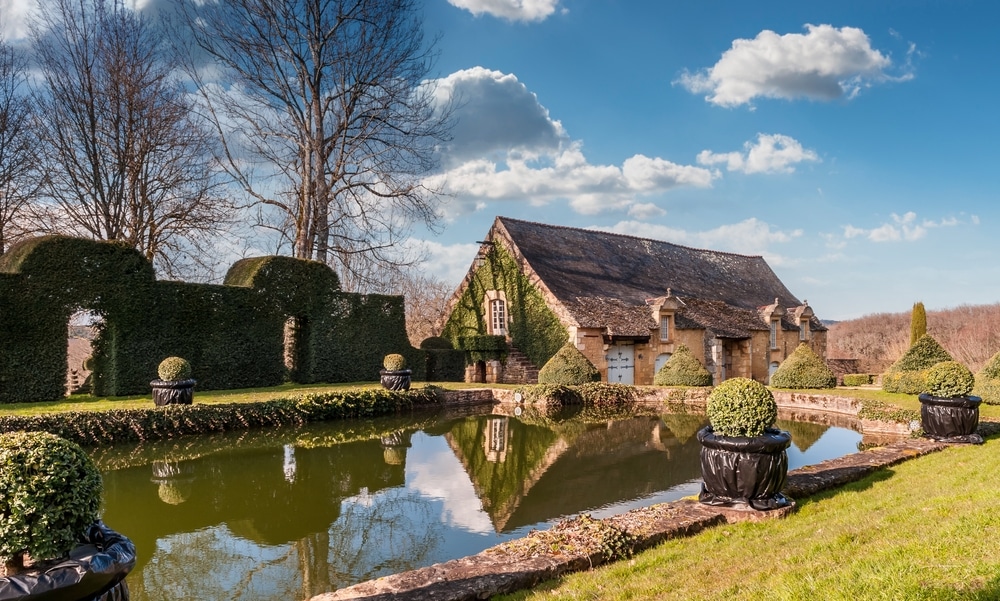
(621, 363)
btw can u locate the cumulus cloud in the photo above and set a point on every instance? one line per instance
(506, 147)
(495, 113)
(903, 227)
(750, 236)
(772, 153)
(512, 10)
(825, 63)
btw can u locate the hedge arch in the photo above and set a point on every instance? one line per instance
(50, 278)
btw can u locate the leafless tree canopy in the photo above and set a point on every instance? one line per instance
(327, 120)
(971, 334)
(19, 172)
(127, 158)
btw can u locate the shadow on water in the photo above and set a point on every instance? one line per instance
(291, 513)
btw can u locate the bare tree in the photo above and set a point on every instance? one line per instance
(129, 160)
(426, 300)
(328, 121)
(19, 172)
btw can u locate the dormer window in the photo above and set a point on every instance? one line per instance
(804, 330)
(664, 327)
(774, 333)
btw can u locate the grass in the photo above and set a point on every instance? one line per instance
(921, 530)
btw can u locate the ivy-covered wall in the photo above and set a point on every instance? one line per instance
(533, 328)
(232, 334)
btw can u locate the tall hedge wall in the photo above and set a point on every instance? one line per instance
(534, 329)
(233, 334)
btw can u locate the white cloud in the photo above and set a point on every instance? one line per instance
(448, 263)
(750, 237)
(902, 228)
(772, 153)
(825, 63)
(512, 10)
(15, 13)
(506, 148)
(646, 210)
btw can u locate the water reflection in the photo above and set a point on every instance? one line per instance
(290, 514)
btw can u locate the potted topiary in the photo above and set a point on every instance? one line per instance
(948, 412)
(175, 386)
(395, 376)
(743, 460)
(52, 545)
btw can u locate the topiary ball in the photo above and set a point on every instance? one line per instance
(436, 343)
(950, 379)
(50, 492)
(173, 369)
(741, 407)
(394, 362)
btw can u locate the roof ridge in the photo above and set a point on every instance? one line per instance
(592, 231)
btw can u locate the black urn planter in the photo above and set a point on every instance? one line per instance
(173, 392)
(94, 571)
(396, 380)
(742, 472)
(950, 419)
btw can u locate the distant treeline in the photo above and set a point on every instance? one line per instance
(970, 333)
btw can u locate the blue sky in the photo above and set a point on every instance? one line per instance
(851, 143)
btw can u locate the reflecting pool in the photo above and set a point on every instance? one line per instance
(290, 513)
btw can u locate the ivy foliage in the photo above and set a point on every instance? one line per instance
(741, 407)
(568, 367)
(803, 369)
(682, 369)
(233, 335)
(533, 328)
(50, 493)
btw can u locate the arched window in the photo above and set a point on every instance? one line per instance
(498, 317)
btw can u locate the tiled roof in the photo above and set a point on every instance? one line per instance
(605, 279)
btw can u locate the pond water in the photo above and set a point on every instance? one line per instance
(288, 514)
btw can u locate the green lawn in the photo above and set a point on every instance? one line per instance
(923, 530)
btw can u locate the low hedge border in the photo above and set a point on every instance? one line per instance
(97, 428)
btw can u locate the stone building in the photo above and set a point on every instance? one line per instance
(628, 302)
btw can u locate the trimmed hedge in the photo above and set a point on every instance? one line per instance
(988, 381)
(483, 347)
(858, 379)
(568, 367)
(949, 379)
(97, 428)
(682, 369)
(803, 369)
(233, 334)
(908, 374)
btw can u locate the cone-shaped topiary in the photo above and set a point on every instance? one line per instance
(987, 385)
(683, 369)
(803, 369)
(394, 362)
(50, 492)
(174, 369)
(908, 374)
(949, 379)
(918, 322)
(568, 367)
(741, 407)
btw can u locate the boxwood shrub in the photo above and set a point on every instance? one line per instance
(682, 369)
(568, 367)
(949, 379)
(987, 384)
(741, 407)
(908, 374)
(803, 369)
(858, 379)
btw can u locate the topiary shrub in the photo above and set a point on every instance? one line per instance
(949, 379)
(394, 362)
(908, 374)
(987, 385)
(50, 492)
(435, 343)
(858, 379)
(568, 367)
(173, 369)
(803, 369)
(741, 407)
(683, 369)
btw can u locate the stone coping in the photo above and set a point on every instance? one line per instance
(526, 562)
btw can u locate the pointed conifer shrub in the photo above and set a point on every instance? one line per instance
(988, 381)
(683, 369)
(568, 367)
(909, 373)
(803, 369)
